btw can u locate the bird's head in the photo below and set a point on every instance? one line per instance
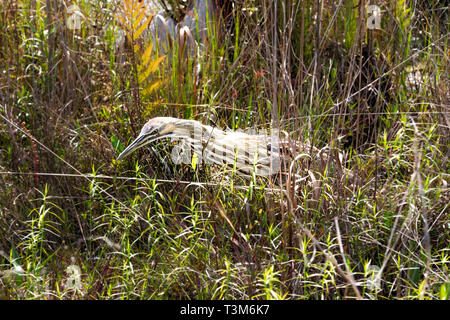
(159, 128)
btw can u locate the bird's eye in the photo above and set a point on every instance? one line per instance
(152, 131)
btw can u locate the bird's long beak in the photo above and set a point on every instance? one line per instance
(139, 142)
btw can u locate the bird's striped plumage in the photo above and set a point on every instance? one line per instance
(263, 155)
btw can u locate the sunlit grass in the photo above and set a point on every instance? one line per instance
(146, 228)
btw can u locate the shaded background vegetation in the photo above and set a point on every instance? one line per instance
(145, 228)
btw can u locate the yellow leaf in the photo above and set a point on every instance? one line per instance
(123, 22)
(154, 86)
(151, 68)
(133, 4)
(142, 28)
(146, 55)
(127, 5)
(155, 63)
(194, 160)
(129, 37)
(138, 20)
(138, 9)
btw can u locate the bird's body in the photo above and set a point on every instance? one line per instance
(263, 155)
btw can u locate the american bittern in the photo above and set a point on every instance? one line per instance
(264, 155)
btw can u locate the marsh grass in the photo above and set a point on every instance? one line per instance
(76, 224)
